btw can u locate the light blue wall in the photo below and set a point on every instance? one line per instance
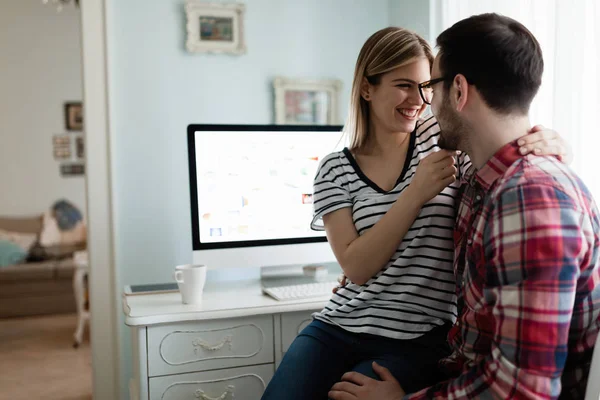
(156, 89)
(411, 14)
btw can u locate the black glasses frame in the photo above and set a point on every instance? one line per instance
(429, 84)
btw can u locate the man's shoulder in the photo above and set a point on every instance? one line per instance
(533, 176)
(535, 170)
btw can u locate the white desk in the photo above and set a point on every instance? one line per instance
(228, 347)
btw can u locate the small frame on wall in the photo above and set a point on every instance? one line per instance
(61, 145)
(72, 169)
(306, 101)
(80, 147)
(74, 116)
(215, 27)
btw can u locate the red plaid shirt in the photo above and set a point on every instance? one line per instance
(527, 263)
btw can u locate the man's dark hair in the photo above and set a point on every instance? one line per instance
(496, 54)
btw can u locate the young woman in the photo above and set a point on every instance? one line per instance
(387, 205)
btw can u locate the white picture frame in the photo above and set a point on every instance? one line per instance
(307, 101)
(215, 27)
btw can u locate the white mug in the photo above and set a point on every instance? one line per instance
(190, 279)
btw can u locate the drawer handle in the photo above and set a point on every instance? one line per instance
(212, 347)
(201, 395)
(171, 353)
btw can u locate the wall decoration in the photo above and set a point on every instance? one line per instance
(61, 145)
(72, 169)
(79, 147)
(74, 116)
(306, 101)
(61, 3)
(215, 27)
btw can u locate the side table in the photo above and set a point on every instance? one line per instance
(80, 276)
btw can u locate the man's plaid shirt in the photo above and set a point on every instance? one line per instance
(527, 263)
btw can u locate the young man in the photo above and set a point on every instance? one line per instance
(527, 257)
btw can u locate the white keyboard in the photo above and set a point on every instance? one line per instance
(302, 291)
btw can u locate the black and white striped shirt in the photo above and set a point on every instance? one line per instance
(415, 291)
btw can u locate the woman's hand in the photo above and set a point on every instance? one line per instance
(342, 279)
(434, 173)
(543, 141)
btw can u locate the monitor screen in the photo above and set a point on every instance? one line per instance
(252, 185)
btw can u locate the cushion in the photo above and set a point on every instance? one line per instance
(24, 240)
(11, 253)
(66, 214)
(52, 235)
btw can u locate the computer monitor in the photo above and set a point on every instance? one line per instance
(251, 194)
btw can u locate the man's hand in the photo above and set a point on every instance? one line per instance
(543, 141)
(356, 386)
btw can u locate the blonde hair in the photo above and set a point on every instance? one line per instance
(386, 50)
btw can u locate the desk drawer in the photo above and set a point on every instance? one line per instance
(245, 383)
(206, 345)
(292, 324)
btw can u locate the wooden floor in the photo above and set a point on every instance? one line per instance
(38, 361)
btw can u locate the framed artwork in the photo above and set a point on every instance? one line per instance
(74, 116)
(73, 169)
(306, 101)
(61, 146)
(215, 27)
(79, 147)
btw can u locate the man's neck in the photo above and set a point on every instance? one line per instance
(494, 132)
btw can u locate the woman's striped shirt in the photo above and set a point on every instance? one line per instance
(415, 291)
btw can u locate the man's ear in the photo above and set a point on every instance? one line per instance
(365, 89)
(461, 92)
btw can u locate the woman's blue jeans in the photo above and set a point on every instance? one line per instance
(322, 353)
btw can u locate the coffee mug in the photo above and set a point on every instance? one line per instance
(190, 279)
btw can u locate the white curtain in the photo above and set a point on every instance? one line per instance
(569, 98)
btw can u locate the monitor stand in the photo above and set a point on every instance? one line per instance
(281, 271)
(285, 275)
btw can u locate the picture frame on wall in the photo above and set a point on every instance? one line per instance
(215, 27)
(61, 147)
(72, 169)
(80, 147)
(74, 116)
(307, 101)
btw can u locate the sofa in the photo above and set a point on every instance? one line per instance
(35, 287)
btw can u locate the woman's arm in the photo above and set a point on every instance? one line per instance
(361, 257)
